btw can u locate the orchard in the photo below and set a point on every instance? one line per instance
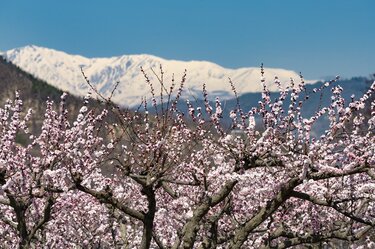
(160, 177)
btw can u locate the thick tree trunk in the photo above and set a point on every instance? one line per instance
(148, 221)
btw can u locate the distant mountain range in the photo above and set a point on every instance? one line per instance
(62, 70)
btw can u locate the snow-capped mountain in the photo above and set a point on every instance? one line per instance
(62, 70)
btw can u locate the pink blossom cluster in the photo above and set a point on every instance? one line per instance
(120, 179)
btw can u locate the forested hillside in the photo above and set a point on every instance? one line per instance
(33, 92)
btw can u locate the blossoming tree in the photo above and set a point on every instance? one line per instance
(168, 179)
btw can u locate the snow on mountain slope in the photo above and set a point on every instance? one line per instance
(62, 70)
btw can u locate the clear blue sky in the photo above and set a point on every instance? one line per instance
(317, 37)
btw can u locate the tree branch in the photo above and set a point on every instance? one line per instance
(106, 197)
(331, 204)
(46, 217)
(242, 232)
(294, 239)
(191, 228)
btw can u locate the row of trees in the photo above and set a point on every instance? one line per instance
(167, 179)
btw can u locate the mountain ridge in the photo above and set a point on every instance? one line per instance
(63, 71)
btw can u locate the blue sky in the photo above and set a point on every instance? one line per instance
(319, 38)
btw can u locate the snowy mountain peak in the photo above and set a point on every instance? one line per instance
(63, 71)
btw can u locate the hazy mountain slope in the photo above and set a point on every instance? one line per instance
(63, 71)
(33, 92)
(13, 78)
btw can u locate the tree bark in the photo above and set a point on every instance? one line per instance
(242, 232)
(148, 220)
(191, 228)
